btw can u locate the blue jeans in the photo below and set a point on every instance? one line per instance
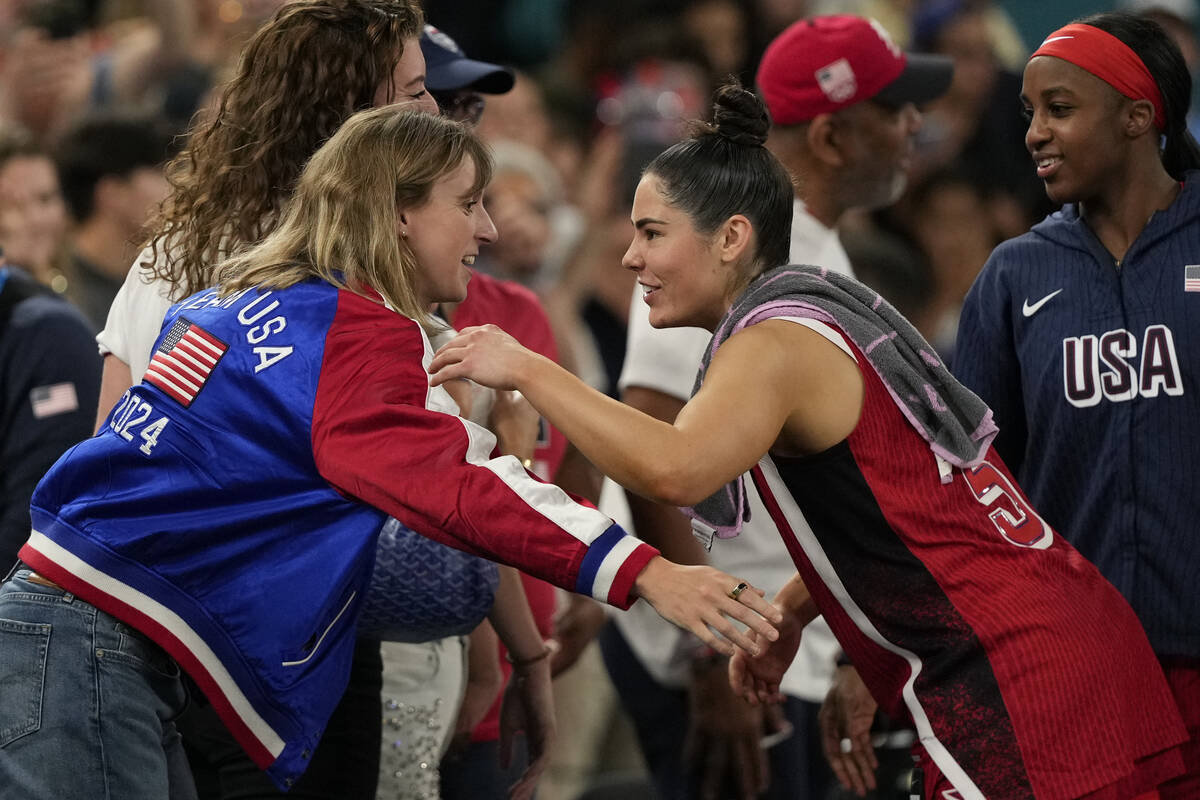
(87, 704)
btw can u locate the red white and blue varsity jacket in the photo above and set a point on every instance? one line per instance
(229, 507)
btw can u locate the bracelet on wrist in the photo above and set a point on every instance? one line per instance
(521, 663)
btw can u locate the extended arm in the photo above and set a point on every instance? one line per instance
(528, 701)
(657, 523)
(794, 376)
(114, 380)
(380, 444)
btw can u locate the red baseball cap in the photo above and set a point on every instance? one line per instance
(819, 65)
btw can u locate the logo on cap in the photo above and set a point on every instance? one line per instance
(837, 81)
(442, 40)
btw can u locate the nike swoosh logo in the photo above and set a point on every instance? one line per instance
(1057, 39)
(1030, 309)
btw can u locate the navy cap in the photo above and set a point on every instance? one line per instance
(447, 69)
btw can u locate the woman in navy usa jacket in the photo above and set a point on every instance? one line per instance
(1082, 335)
(224, 519)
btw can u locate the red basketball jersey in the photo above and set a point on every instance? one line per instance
(1025, 673)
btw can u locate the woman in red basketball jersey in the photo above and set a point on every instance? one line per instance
(1024, 672)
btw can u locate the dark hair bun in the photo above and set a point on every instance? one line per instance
(739, 116)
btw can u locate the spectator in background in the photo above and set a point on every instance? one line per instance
(843, 102)
(526, 116)
(458, 83)
(1178, 18)
(726, 31)
(33, 218)
(62, 62)
(524, 198)
(49, 380)
(641, 108)
(947, 216)
(897, 269)
(899, 17)
(976, 126)
(111, 171)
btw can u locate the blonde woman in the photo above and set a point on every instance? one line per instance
(223, 522)
(301, 75)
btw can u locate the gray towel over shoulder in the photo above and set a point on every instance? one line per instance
(955, 422)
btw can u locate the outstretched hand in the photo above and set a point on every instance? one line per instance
(845, 719)
(483, 353)
(756, 675)
(528, 706)
(698, 599)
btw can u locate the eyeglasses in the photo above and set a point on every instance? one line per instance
(461, 106)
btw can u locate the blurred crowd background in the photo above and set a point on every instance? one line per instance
(96, 95)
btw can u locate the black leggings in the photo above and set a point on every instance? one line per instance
(345, 766)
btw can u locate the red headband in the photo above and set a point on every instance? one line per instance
(1109, 59)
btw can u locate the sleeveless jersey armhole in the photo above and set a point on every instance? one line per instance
(835, 337)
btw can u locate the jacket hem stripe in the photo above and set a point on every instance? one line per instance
(165, 628)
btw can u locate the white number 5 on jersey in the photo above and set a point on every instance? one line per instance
(1007, 509)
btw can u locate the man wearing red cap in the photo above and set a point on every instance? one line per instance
(843, 100)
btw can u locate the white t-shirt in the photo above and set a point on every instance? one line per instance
(813, 243)
(667, 361)
(135, 317)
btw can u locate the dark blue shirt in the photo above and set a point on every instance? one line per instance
(1090, 366)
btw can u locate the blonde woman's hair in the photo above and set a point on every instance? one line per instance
(340, 223)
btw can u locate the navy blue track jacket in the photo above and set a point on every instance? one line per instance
(1090, 366)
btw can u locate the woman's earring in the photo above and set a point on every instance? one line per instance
(404, 234)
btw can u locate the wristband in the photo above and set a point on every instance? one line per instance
(521, 663)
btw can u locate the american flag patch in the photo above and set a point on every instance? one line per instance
(1191, 278)
(183, 362)
(57, 398)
